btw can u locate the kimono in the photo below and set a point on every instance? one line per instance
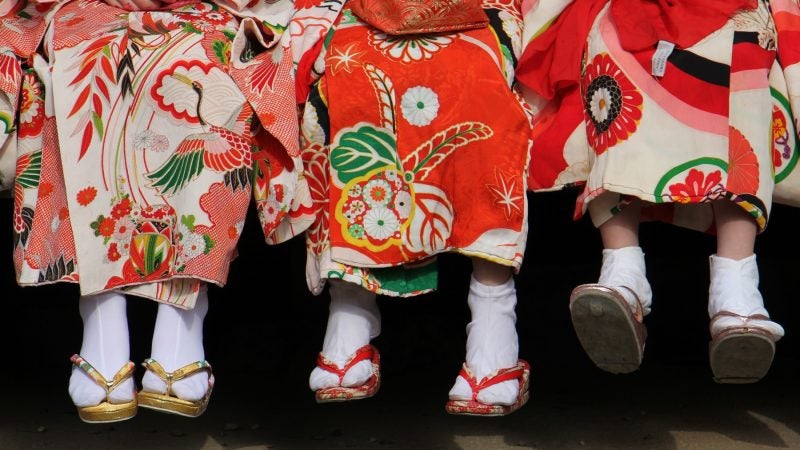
(703, 117)
(141, 138)
(412, 145)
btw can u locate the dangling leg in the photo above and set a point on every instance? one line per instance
(607, 316)
(353, 320)
(623, 259)
(178, 342)
(101, 384)
(492, 344)
(743, 336)
(105, 346)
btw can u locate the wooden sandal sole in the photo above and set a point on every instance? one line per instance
(606, 330)
(741, 357)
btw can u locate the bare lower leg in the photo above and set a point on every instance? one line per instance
(736, 230)
(623, 229)
(490, 273)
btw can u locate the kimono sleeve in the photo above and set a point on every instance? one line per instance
(560, 154)
(261, 66)
(23, 26)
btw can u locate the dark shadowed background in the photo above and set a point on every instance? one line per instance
(264, 330)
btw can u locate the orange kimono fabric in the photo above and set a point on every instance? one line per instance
(428, 149)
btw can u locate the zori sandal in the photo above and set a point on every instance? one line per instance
(106, 411)
(610, 333)
(741, 352)
(168, 402)
(521, 372)
(342, 393)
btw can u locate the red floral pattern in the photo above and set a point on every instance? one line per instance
(612, 104)
(31, 108)
(742, 165)
(307, 4)
(86, 195)
(780, 138)
(696, 187)
(121, 208)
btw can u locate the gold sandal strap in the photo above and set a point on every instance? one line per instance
(191, 369)
(153, 366)
(78, 361)
(178, 374)
(122, 374)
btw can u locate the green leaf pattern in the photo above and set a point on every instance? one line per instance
(361, 150)
(29, 178)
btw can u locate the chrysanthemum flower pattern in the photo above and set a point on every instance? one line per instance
(420, 105)
(612, 105)
(376, 207)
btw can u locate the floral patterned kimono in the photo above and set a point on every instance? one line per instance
(412, 146)
(141, 138)
(671, 126)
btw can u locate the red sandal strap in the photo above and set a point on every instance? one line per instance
(364, 353)
(502, 375)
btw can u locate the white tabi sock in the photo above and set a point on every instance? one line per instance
(105, 346)
(624, 268)
(178, 341)
(353, 320)
(492, 342)
(734, 289)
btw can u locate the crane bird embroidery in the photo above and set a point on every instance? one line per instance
(221, 149)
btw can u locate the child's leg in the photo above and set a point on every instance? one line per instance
(622, 230)
(354, 319)
(105, 346)
(734, 274)
(607, 315)
(623, 259)
(492, 342)
(178, 341)
(736, 231)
